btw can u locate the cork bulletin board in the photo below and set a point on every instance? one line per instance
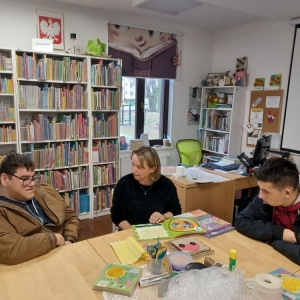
(265, 112)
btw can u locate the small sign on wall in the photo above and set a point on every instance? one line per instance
(43, 45)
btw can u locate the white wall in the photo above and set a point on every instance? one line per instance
(18, 19)
(268, 46)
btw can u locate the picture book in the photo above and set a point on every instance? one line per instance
(119, 279)
(190, 245)
(209, 222)
(290, 283)
(169, 229)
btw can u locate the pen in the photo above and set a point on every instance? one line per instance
(147, 225)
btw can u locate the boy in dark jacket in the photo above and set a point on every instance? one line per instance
(274, 215)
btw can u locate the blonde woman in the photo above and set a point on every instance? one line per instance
(144, 196)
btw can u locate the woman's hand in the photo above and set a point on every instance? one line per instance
(156, 217)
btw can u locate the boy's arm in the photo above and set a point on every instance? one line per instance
(15, 248)
(253, 223)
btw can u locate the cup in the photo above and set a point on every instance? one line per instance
(156, 266)
(179, 170)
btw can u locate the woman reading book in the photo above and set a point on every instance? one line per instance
(144, 195)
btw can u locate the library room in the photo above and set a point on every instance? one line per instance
(149, 149)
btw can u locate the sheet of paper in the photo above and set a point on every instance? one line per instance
(256, 117)
(200, 176)
(128, 251)
(273, 101)
(147, 232)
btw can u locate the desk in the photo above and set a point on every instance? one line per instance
(253, 256)
(214, 198)
(65, 273)
(240, 182)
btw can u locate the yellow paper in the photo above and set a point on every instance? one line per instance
(129, 251)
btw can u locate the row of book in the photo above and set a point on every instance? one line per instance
(7, 113)
(216, 120)
(213, 142)
(7, 134)
(102, 198)
(105, 125)
(105, 174)
(5, 63)
(105, 99)
(105, 151)
(78, 200)
(106, 74)
(66, 179)
(50, 97)
(67, 69)
(57, 155)
(6, 86)
(45, 128)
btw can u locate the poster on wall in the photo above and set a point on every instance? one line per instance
(50, 25)
(145, 53)
(193, 115)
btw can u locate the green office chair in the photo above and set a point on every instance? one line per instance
(190, 152)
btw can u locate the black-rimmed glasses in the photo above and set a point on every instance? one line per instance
(27, 181)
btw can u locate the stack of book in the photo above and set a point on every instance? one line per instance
(135, 144)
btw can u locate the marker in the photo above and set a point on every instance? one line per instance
(232, 259)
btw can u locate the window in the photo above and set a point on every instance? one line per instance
(146, 109)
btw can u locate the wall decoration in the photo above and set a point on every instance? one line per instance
(194, 106)
(50, 25)
(275, 82)
(214, 78)
(145, 53)
(259, 83)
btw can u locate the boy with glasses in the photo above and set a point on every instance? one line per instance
(274, 215)
(34, 218)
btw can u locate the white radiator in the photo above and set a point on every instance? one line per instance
(163, 160)
(126, 166)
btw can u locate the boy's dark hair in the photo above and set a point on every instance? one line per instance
(280, 172)
(13, 161)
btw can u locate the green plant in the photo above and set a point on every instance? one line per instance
(95, 47)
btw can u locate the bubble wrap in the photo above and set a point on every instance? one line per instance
(209, 284)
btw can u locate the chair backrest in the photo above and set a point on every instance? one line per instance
(190, 151)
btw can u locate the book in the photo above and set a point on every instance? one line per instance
(290, 283)
(209, 222)
(169, 229)
(119, 279)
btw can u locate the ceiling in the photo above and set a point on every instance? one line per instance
(205, 14)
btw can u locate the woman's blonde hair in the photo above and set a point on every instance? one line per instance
(149, 156)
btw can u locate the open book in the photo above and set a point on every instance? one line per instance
(169, 229)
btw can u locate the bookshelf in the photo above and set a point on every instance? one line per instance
(65, 126)
(220, 126)
(105, 81)
(8, 120)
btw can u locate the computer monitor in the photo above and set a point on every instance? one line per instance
(260, 152)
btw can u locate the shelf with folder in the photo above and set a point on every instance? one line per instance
(220, 128)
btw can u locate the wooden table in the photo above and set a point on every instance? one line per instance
(253, 256)
(214, 198)
(65, 273)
